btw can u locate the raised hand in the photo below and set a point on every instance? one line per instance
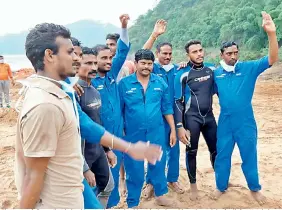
(267, 23)
(160, 27)
(124, 18)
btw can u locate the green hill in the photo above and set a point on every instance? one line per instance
(89, 32)
(212, 22)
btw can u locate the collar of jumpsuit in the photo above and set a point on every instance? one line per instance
(135, 79)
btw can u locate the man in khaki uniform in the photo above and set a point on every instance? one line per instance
(49, 159)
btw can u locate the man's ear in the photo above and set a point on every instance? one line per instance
(221, 55)
(48, 54)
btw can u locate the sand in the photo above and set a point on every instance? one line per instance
(267, 104)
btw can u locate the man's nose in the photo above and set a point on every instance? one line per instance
(75, 57)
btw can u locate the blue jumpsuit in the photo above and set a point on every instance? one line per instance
(87, 126)
(173, 153)
(143, 115)
(236, 121)
(110, 110)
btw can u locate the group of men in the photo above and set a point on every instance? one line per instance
(148, 105)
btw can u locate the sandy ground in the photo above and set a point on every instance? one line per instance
(268, 111)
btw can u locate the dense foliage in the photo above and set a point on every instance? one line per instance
(212, 22)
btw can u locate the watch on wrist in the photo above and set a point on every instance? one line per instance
(179, 125)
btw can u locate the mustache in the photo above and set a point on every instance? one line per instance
(93, 72)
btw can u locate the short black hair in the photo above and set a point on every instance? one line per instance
(114, 36)
(87, 51)
(190, 43)
(1, 56)
(41, 37)
(160, 45)
(99, 47)
(75, 42)
(144, 54)
(225, 45)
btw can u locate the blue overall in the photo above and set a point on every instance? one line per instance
(143, 115)
(236, 121)
(110, 110)
(173, 153)
(87, 126)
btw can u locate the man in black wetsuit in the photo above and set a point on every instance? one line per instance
(194, 89)
(90, 102)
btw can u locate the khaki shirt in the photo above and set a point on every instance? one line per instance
(47, 127)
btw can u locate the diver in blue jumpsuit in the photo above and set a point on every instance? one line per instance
(144, 101)
(165, 69)
(235, 81)
(105, 82)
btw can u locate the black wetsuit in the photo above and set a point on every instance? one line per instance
(194, 89)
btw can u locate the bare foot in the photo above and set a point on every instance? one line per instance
(176, 187)
(194, 192)
(259, 197)
(163, 201)
(216, 195)
(148, 191)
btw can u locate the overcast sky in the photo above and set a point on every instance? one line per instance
(19, 15)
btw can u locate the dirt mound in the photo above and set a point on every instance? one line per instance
(8, 115)
(24, 73)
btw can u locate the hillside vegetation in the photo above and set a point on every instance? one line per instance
(212, 22)
(88, 32)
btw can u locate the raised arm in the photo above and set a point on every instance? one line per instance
(123, 47)
(270, 28)
(159, 29)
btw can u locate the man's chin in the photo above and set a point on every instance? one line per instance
(71, 74)
(104, 70)
(91, 77)
(166, 62)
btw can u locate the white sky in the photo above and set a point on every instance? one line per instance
(19, 15)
